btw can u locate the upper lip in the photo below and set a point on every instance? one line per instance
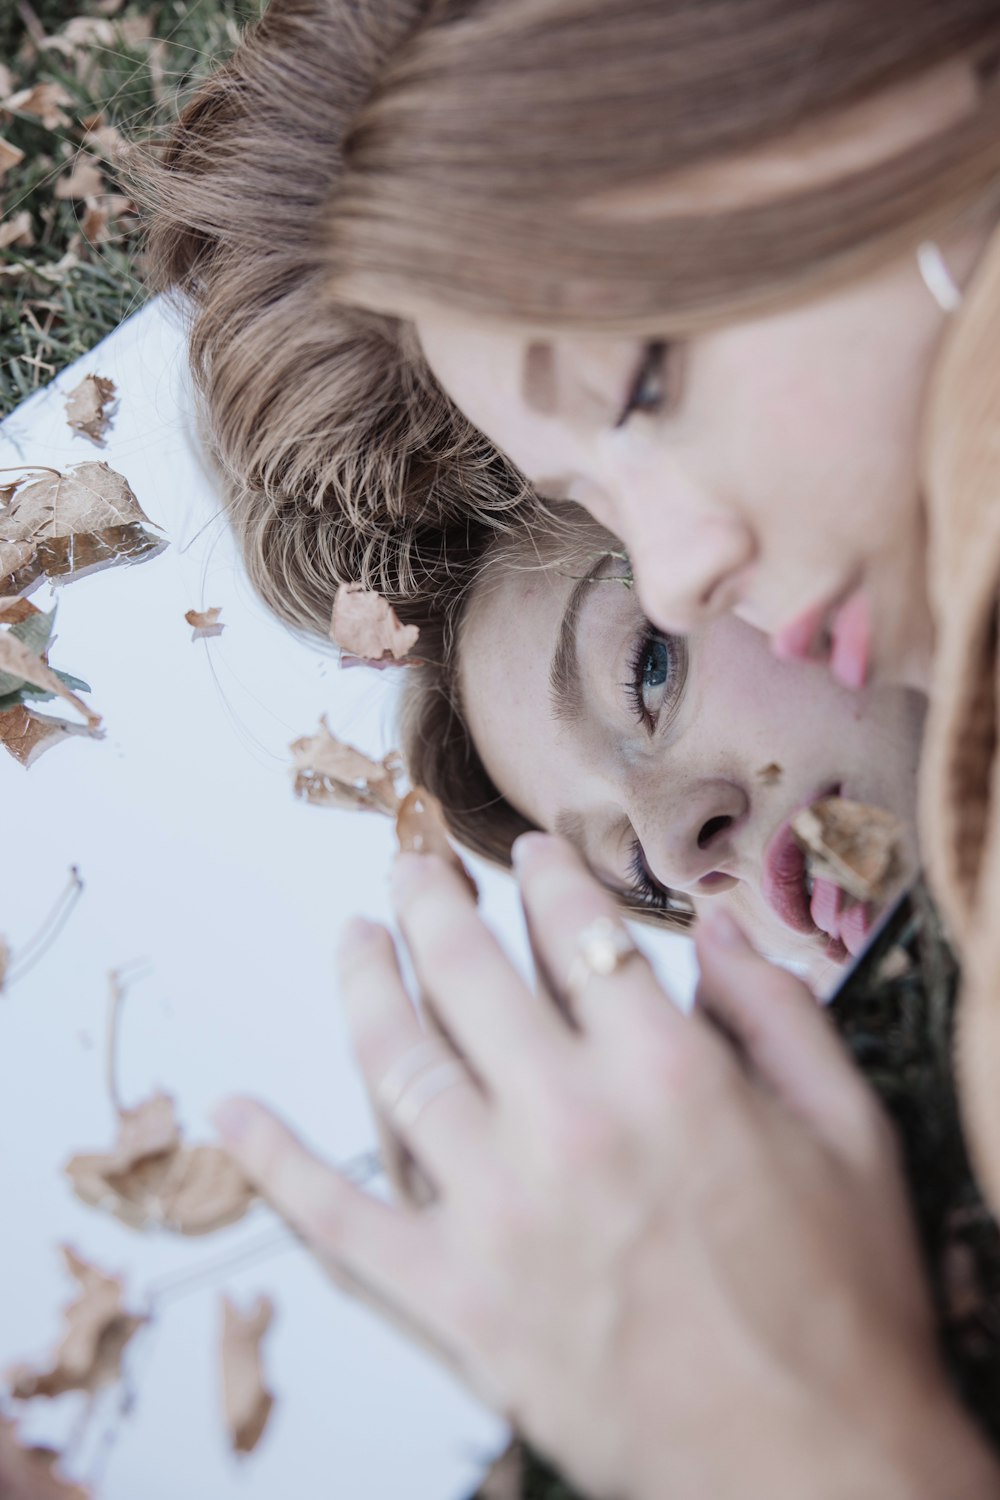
(800, 636)
(783, 872)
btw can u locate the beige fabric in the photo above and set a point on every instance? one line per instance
(959, 806)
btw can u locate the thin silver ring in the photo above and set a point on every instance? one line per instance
(416, 1078)
(602, 947)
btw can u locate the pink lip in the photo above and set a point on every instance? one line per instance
(847, 620)
(783, 886)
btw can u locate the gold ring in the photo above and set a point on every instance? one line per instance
(602, 947)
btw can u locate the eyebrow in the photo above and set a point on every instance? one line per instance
(565, 696)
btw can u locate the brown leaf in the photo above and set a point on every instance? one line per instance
(247, 1402)
(152, 1180)
(10, 156)
(44, 102)
(106, 140)
(87, 407)
(330, 773)
(859, 848)
(13, 611)
(17, 659)
(100, 213)
(27, 734)
(770, 774)
(421, 829)
(97, 1330)
(27, 1473)
(205, 622)
(17, 231)
(83, 180)
(66, 525)
(365, 625)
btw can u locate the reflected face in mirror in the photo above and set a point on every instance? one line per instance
(675, 764)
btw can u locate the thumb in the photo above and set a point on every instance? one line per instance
(782, 1030)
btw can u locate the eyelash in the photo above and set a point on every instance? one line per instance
(636, 663)
(652, 366)
(644, 888)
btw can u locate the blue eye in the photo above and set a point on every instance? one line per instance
(656, 664)
(657, 669)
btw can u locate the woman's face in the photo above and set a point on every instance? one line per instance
(675, 764)
(770, 467)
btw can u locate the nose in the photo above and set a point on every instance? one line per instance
(692, 572)
(693, 846)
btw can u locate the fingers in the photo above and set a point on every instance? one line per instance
(417, 1084)
(782, 1030)
(494, 1017)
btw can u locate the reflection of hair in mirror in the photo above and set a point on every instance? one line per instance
(350, 164)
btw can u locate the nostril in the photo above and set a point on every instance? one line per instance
(710, 829)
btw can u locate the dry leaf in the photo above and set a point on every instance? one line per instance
(17, 231)
(100, 213)
(205, 622)
(365, 625)
(246, 1400)
(769, 774)
(10, 156)
(859, 848)
(65, 525)
(97, 1330)
(332, 774)
(27, 1473)
(504, 1479)
(106, 140)
(421, 829)
(152, 1180)
(6, 81)
(87, 407)
(20, 662)
(27, 734)
(13, 611)
(43, 101)
(83, 180)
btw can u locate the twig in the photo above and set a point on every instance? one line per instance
(37, 946)
(119, 989)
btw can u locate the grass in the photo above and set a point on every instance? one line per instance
(69, 278)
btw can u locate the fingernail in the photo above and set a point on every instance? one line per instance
(723, 930)
(525, 847)
(354, 935)
(233, 1119)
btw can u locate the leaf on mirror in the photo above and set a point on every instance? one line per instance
(247, 1403)
(152, 1180)
(27, 735)
(204, 622)
(64, 525)
(97, 1330)
(90, 407)
(858, 847)
(421, 829)
(27, 1472)
(16, 611)
(20, 665)
(330, 773)
(367, 628)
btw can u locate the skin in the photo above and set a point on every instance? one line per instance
(733, 711)
(775, 467)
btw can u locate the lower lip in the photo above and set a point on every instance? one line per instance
(849, 629)
(783, 886)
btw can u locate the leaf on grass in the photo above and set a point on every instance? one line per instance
(27, 735)
(105, 140)
(247, 1402)
(100, 213)
(205, 622)
(366, 626)
(859, 848)
(17, 231)
(84, 180)
(330, 773)
(10, 156)
(152, 1180)
(97, 1330)
(62, 526)
(90, 407)
(43, 101)
(28, 1472)
(421, 829)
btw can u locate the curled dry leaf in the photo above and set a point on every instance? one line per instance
(859, 848)
(28, 1473)
(19, 664)
(90, 407)
(61, 526)
(421, 829)
(151, 1180)
(205, 622)
(84, 180)
(247, 1402)
(16, 611)
(10, 156)
(97, 1330)
(27, 734)
(366, 626)
(43, 101)
(17, 230)
(329, 773)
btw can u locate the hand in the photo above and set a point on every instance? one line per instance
(677, 1254)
